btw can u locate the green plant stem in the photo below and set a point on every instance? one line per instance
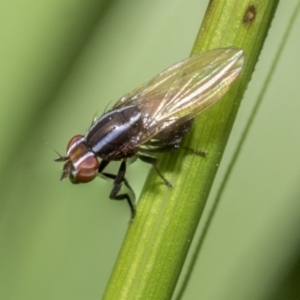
(237, 151)
(157, 242)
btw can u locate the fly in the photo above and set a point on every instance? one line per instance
(153, 118)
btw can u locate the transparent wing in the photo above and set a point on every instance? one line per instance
(184, 90)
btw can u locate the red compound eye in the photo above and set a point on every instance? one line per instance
(87, 170)
(73, 140)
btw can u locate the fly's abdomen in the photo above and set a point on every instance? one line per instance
(111, 135)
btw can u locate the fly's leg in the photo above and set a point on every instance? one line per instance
(153, 161)
(119, 179)
(195, 151)
(103, 165)
(168, 148)
(170, 139)
(158, 148)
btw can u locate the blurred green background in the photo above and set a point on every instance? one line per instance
(62, 62)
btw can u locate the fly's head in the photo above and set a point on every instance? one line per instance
(81, 164)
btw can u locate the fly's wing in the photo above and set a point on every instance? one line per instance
(184, 90)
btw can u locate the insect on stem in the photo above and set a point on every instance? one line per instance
(153, 118)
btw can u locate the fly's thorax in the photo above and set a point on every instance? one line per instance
(113, 136)
(84, 164)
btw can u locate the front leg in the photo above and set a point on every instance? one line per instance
(118, 181)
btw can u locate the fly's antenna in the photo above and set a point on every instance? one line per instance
(60, 158)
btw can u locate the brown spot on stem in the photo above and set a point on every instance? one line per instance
(250, 14)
